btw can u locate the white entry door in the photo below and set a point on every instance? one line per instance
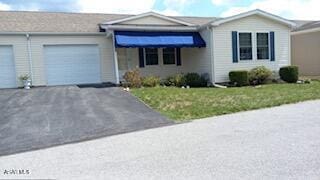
(7, 68)
(72, 64)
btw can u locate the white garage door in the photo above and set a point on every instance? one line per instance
(7, 68)
(72, 64)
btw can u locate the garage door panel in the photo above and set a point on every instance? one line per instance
(72, 64)
(7, 68)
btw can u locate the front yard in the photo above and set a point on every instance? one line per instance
(186, 104)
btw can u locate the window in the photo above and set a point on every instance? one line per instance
(263, 46)
(151, 56)
(245, 46)
(169, 56)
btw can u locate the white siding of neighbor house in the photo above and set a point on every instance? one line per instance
(20, 53)
(149, 20)
(104, 44)
(192, 60)
(223, 45)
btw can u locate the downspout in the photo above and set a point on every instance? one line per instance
(30, 57)
(115, 58)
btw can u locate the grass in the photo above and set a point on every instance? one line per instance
(186, 104)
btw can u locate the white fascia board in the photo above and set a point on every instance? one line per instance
(254, 12)
(149, 28)
(149, 14)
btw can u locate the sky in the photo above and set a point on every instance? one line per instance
(290, 9)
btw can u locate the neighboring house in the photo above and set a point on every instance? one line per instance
(305, 47)
(74, 48)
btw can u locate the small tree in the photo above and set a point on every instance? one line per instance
(133, 78)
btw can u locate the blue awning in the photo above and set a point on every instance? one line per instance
(134, 39)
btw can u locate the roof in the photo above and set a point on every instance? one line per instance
(61, 22)
(307, 25)
(254, 12)
(28, 21)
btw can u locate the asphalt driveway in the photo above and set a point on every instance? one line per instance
(276, 143)
(48, 116)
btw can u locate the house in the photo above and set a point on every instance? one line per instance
(305, 45)
(75, 48)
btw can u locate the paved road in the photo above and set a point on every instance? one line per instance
(49, 116)
(277, 143)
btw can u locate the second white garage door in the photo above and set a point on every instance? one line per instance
(72, 64)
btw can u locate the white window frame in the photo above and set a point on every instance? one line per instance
(252, 46)
(175, 57)
(145, 57)
(269, 49)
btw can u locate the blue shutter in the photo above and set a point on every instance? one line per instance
(272, 48)
(178, 52)
(141, 58)
(234, 46)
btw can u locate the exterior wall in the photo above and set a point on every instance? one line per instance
(20, 53)
(192, 60)
(223, 45)
(149, 20)
(199, 60)
(305, 53)
(131, 55)
(21, 56)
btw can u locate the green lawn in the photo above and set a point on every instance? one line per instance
(186, 104)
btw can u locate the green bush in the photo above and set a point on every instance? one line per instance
(195, 80)
(289, 74)
(175, 80)
(259, 75)
(150, 81)
(133, 78)
(239, 78)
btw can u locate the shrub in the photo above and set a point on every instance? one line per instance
(259, 75)
(175, 80)
(205, 79)
(290, 74)
(133, 78)
(195, 80)
(150, 81)
(239, 78)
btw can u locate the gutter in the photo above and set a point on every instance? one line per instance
(150, 28)
(30, 57)
(54, 33)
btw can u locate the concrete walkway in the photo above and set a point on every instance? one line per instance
(276, 143)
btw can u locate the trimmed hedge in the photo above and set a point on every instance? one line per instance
(195, 80)
(239, 78)
(259, 75)
(290, 74)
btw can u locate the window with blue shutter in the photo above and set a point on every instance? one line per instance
(234, 46)
(141, 58)
(272, 47)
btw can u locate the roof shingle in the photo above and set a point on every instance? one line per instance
(27, 21)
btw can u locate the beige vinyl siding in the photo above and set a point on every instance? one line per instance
(306, 53)
(223, 45)
(20, 53)
(192, 60)
(161, 70)
(199, 59)
(37, 50)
